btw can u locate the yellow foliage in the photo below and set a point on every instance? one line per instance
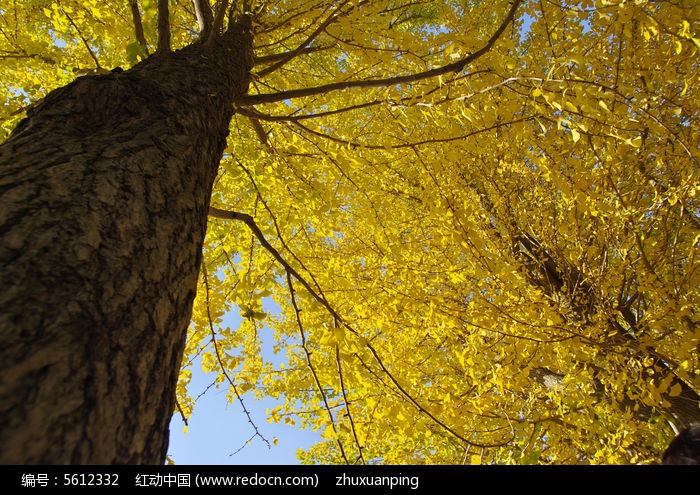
(452, 237)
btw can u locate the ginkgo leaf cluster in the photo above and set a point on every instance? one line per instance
(494, 265)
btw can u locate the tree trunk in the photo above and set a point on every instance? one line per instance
(104, 193)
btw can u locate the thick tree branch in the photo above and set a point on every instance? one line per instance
(254, 114)
(82, 38)
(205, 17)
(138, 25)
(260, 131)
(5, 54)
(163, 27)
(455, 67)
(552, 276)
(218, 22)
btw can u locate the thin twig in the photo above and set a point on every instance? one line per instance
(274, 57)
(455, 67)
(290, 55)
(182, 414)
(307, 353)
(338, 362)
(85, 42)
(221, 363)
(462, 137)
(277, 228)
(250, 222)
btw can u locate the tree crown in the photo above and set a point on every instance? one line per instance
(479, 219)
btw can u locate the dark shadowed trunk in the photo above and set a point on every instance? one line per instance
(104, 193)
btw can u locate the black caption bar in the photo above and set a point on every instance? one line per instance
(384, 479)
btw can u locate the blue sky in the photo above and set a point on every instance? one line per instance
(218, 429)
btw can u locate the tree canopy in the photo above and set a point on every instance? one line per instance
(480, 219)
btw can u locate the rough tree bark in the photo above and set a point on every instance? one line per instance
(104, 193)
